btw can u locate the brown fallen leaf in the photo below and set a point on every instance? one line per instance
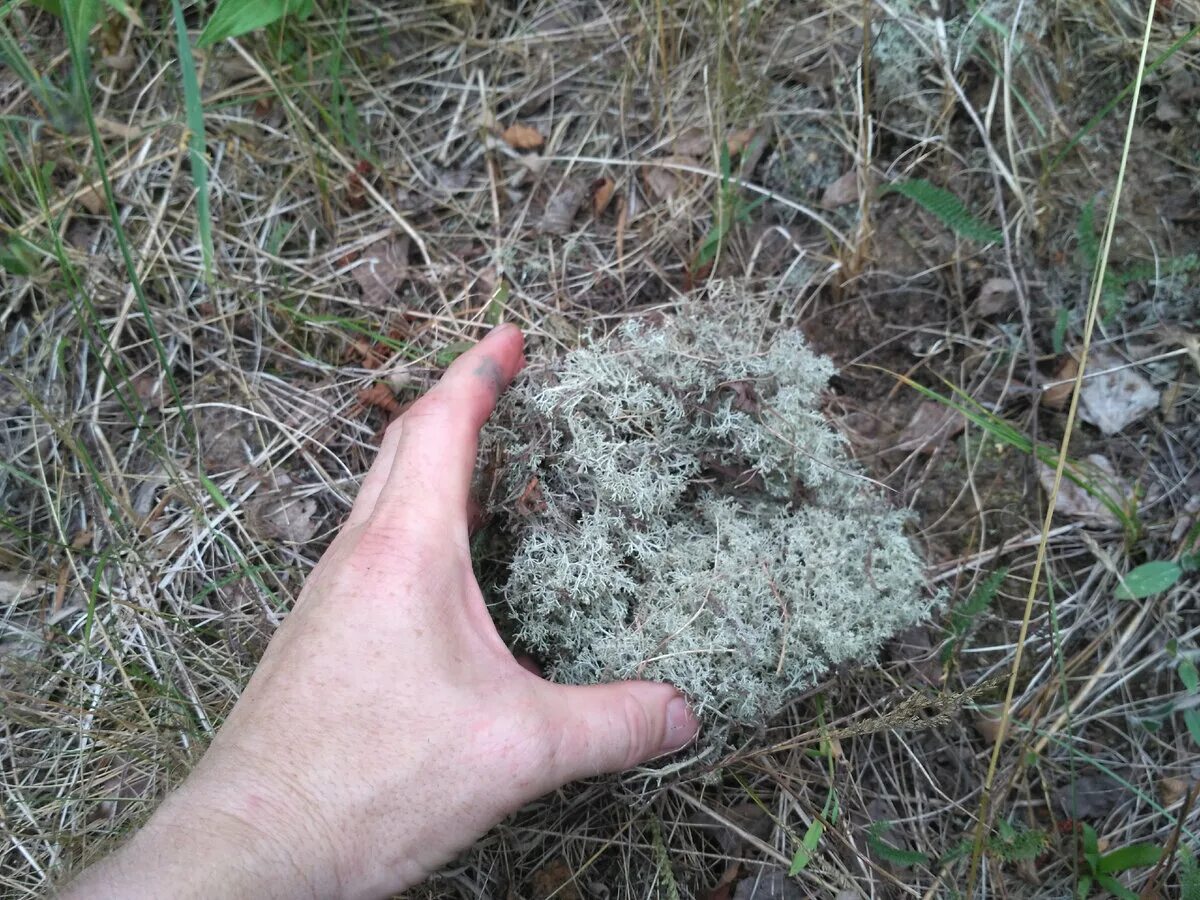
(531, 502)
(745, 398)
(987, 724)
(1057, 395)
(148, 386)
(737, 141)
(694, 141)
(931, 426)
(380, 396)
(602, 194)
(995, 296)
(663, 183)
(119, 62)
(89, 198)
(522, 137)
(1172, 790)
(226, 440)
(382, 270)
(561, 209)
(842, 191)
(282, 516)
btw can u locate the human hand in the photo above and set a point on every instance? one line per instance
(388, 726)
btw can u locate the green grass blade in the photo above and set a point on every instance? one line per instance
(197, 156)
(81, 72)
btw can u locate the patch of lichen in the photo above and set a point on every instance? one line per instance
(683, 512)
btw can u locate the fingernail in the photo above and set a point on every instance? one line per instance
(682, 726)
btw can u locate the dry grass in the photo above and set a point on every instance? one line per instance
(170, 470)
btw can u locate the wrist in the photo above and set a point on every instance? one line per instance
(227, 842)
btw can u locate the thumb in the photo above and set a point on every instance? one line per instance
(610, 727)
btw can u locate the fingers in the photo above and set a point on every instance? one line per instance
(434, 458)
(611, 727)
(377, 476)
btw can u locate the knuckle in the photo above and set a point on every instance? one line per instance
(432, 408)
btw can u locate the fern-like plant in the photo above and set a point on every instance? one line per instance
(946, 208)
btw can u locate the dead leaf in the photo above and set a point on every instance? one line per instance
(522, 137)
(1089, 796)
(1117, 398)
(224, 435)
(452, 181)
(382, 270)
(663, 183)
(89, 198)
(531, 502)
(745, 398)
(987, 723)
(737, 141)
(749, 818)
(119, 62)
(149, 389)
(1057, 395)
(1076, 503)
(1166, 110)
(561, 209)
(995, 296)
(1172, 790)
(916, 648)
(380, 396)
(694, 141)
(555, 879)
(931, 426)
(602, 193)
(283, 516)
(842, 191)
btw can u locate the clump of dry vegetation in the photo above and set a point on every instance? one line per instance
(181, 432)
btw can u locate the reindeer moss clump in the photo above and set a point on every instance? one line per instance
(683, 512)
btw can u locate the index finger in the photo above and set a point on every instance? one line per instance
(439, 434)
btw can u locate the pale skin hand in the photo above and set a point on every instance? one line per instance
(387, 726)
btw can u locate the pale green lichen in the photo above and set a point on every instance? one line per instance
(683, 512)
